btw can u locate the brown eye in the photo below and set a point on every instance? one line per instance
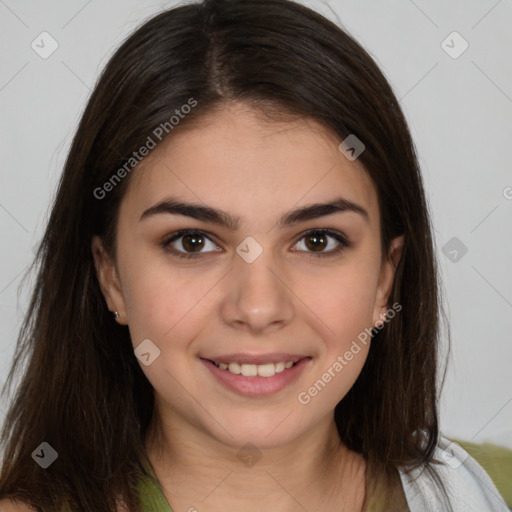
(191, 245)
(193, 242)
(316, 242)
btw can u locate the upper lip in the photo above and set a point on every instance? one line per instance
(244, 358)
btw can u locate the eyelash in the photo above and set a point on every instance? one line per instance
(339, 237)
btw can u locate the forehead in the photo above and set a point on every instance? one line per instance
(240, 159)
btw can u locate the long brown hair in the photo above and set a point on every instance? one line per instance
(82, 390)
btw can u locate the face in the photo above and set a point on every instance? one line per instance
(252, 287)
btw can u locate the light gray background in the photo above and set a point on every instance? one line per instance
(460, 115)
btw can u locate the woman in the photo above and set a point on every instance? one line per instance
(237, 296)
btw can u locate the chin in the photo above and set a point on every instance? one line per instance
(261, 431)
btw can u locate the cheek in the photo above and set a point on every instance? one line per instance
(343, 300)
(147, 291)
(162, 301)
(344, 311)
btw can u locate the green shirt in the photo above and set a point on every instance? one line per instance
(152, 498)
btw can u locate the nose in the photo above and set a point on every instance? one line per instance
(258, 297)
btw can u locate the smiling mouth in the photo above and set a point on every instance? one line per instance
(255, 370)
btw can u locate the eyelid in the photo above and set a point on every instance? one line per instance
(339, 236)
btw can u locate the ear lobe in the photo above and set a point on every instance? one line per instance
(387, 276)
(108, 279)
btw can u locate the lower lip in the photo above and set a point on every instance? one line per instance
(257, 386)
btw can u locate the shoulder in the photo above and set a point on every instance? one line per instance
(14, 506)
(468, 486)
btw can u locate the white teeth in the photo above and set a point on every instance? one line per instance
(249, 370)
(266, 370)
(252, 370)
(234, 368)
(280, 367)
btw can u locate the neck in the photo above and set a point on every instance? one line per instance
(196, 470)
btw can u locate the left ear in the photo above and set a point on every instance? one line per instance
(108, 280)
(386, 278)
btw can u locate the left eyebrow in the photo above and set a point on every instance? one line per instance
(173, 206)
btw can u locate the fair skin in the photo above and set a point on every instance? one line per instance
(288, 300)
